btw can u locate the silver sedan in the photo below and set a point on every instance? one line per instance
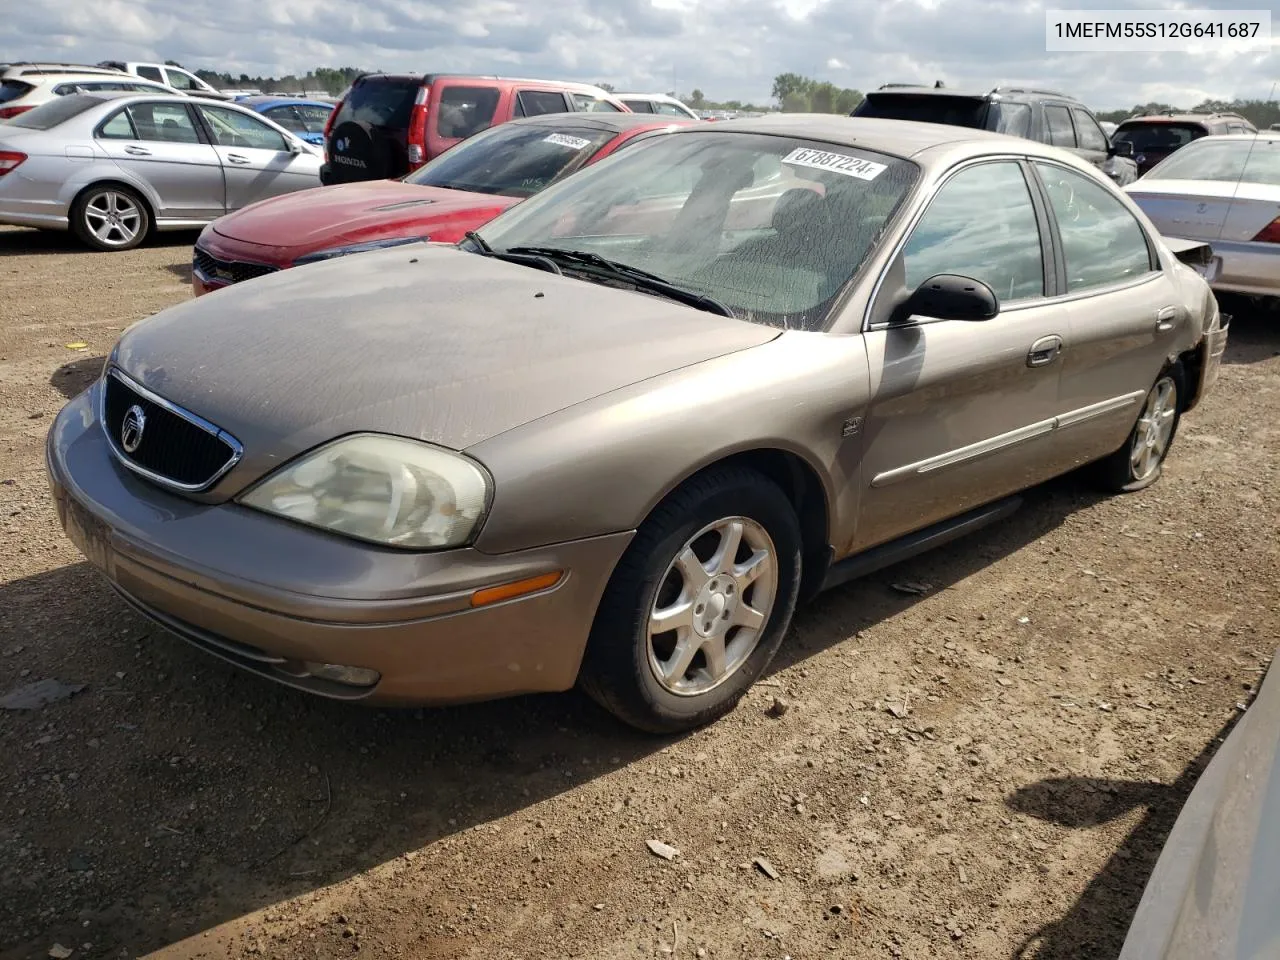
(114, 167)
(1223, 190)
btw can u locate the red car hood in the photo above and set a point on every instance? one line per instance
(355, 212)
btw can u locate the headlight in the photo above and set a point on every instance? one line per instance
(388, 490)
(356, 248)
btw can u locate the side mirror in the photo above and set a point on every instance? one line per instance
(1124, 148)
(295, 147)
(949, 297)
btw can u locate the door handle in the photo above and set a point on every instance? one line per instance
(1044, 351)
(236, 158)
(137, 151)
(1165, 317)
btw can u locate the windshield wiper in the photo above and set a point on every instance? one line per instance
(532, 259)
(641, 278)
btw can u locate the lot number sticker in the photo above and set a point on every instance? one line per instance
(835, 162)
(564, 140)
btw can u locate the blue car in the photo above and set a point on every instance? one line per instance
(304, 117)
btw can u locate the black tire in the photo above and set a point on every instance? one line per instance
(90, 213)
(617, 671)
(1117, 473)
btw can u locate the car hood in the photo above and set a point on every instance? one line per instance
(353, 211)
(426, 342)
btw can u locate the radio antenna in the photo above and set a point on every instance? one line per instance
(1271, 97)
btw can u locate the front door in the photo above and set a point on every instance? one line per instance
(158, 142)
(256, 160)
(962, 411)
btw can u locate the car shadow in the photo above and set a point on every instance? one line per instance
(201, 793)
(24, 241)
(71, 379)
(180, 270)
(1255, 329)
(1096, 924)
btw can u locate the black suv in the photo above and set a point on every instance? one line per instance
(1154, 137)
(1043, 115)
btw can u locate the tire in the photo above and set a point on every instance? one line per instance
(358, 153)
(110, 217)
(1139, 463)
(636, 676)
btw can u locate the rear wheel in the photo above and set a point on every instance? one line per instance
(698, 604)
(110, 217)
(1139, 463)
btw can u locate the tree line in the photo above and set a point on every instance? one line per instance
(792, 93)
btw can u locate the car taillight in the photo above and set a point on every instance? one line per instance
(10, 160)
(1270, 233)
(7, 112)
(417, 146)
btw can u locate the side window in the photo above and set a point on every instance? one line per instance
(639, 106)
(231, 128)
(534, 103)
(1058, 121)
(287, 117)
(164, 122)
(150, 73)
(1087, 130)
(117, 128)
(1014, 119)
(670, 110)
(1101, 240)
(981, 224)
(180, 80)
(463, 111)
(586, 102)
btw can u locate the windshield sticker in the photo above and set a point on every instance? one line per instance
(835, 162)
(564, 140)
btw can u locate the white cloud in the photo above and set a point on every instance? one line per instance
(726, 48)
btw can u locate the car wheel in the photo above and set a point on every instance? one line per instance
(1138, 464)
(110, 217)
(698, 604)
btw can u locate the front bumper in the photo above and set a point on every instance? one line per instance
(218, 261)
(270, 596)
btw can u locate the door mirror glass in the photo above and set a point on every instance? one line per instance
(949, 296)
(1123, 148)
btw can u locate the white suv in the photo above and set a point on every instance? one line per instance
(20, 92)
(171, 76)
(656, 103)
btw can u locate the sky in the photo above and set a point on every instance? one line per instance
(729, 49)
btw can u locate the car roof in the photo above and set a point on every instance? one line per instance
(908, 89)
(1183, 118)
(902, 138)
(1270, 136)
(433, 77)
(271, 100)
(58, 69)
(617, 122)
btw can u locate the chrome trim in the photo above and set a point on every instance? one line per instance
(1005, 440)
(237, 448)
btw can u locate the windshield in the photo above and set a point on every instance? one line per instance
(53, 112)
(1158, 137)
(513, 160)
(925, 108)
(1252, 161)
(771, 227)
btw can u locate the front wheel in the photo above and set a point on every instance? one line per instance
(698, 604)
(110, 217)
(1139, 463)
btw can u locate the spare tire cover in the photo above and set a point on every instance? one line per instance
(355, 153)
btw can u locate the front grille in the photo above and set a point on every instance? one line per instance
(228, 271)
(173, 447)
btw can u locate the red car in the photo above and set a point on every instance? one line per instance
(458, 191)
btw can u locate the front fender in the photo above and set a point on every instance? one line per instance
(602, 465)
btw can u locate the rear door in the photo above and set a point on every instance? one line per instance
(160, 142)
(1124, 313)
(1058, 128)
(460, 108)
(256, 160)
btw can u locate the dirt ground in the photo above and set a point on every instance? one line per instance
(984, 770)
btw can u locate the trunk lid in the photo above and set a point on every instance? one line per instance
(1207, 209)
